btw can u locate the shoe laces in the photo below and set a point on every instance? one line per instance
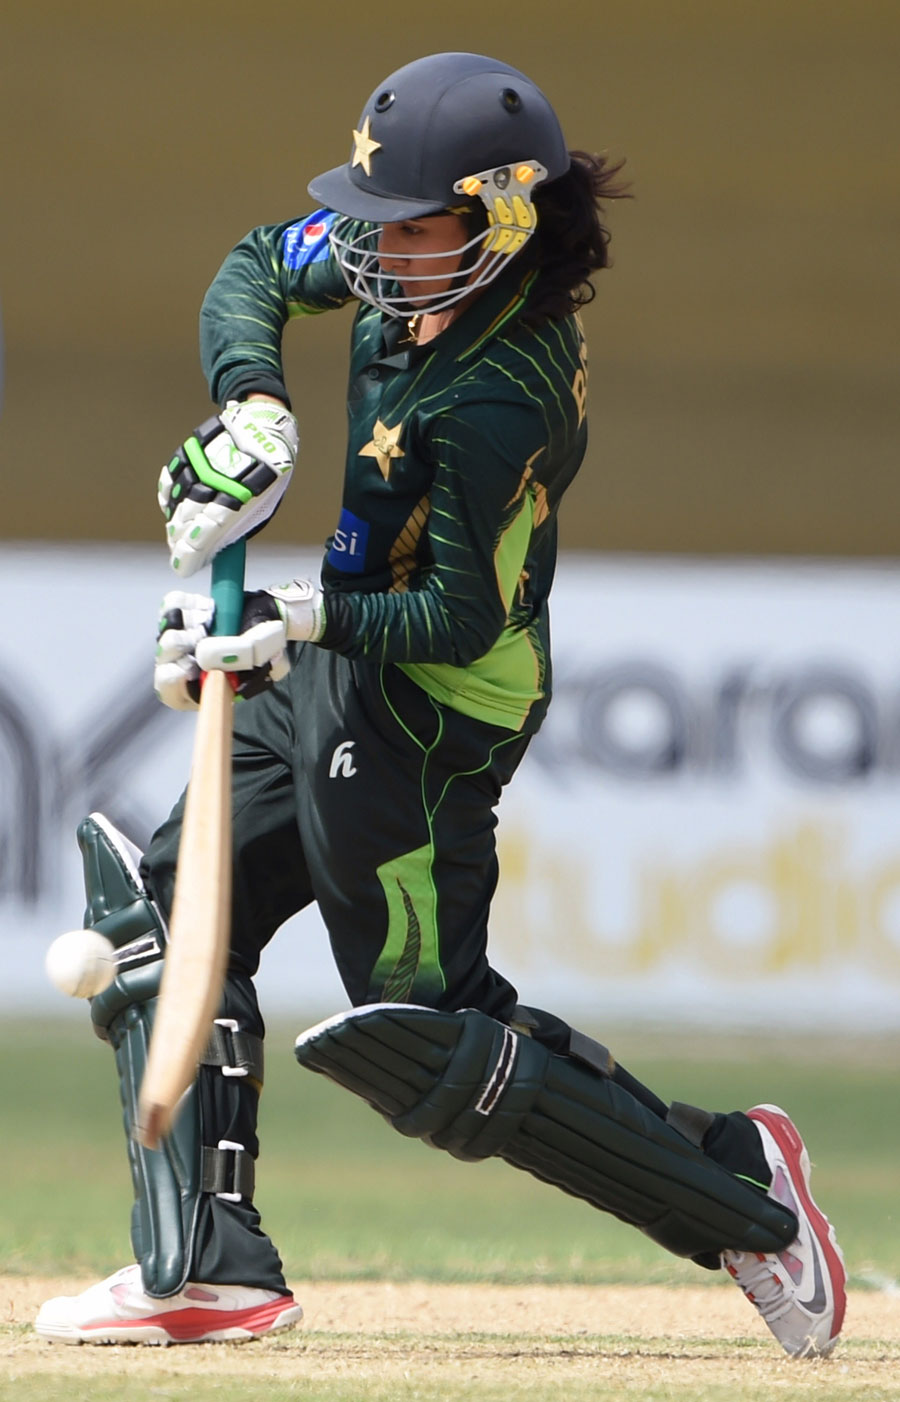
(761, 1283)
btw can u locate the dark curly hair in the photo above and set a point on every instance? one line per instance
(571, 242)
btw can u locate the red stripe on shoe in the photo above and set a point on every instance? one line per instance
(192, 1324)
(784, 1132)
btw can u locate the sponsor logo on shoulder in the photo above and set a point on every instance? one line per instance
(307, 242)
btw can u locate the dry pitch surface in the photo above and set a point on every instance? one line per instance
(452, 1341)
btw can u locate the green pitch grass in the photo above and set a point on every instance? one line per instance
(345, 1197)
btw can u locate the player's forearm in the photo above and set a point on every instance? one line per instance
(421, 625)
(261, 285)
(242, 320)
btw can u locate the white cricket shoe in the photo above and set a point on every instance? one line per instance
(800, 1292)
(118, 1311)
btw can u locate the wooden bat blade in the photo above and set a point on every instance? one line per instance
(196, 956)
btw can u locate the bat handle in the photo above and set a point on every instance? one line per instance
(228, 587)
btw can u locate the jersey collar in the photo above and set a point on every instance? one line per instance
(499, 304)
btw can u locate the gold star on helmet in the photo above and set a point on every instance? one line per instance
(364, 147)
(384, 445)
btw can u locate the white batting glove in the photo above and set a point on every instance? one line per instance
(257, 655)
(226, 480)
(273, 617)
(185, 619)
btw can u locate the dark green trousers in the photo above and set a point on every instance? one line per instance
(354, 789)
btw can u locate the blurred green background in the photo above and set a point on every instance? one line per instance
(744, 348)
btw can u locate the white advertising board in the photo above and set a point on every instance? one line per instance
(706, 830)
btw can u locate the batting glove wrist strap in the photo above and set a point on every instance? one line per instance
(302, 607)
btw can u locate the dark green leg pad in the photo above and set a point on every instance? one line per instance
(166, 1181)
(468, 1084)
(117, 904)
(183, 1188)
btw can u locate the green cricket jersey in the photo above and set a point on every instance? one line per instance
(459, 452)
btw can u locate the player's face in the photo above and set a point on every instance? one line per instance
(422, 254)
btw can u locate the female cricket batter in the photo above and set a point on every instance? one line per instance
(385, 706)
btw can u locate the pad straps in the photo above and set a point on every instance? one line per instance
(475, 1087)
(236, 1053)
(227, 1170)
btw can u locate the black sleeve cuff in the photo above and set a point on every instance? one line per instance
(338, 630)
(244, 383)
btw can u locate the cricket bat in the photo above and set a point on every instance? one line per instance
(197, 952)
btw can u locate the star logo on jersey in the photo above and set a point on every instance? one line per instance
(384, 446)
(365, 147)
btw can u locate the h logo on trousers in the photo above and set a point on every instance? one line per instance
(342, 761)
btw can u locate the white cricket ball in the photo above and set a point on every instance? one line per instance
(81, 963)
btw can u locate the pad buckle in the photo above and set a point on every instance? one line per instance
(235, 1053)
(237, 1150)
(240, 1168)
(231, 1025)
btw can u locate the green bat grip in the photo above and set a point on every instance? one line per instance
(228, 588)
